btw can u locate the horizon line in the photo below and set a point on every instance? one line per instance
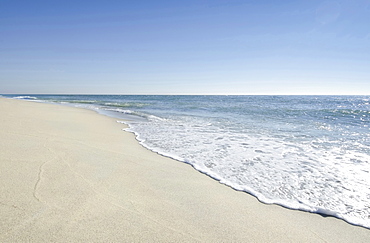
(193, 94)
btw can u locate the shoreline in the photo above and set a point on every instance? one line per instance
(320, 211)
(71, 174)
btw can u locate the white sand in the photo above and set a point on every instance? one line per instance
(69, 174)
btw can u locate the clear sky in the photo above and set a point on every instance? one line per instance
(185, 47)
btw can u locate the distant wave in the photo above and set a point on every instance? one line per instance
(25, 97)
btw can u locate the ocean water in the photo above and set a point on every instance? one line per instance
(310, 153)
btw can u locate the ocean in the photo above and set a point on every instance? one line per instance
(309, 153)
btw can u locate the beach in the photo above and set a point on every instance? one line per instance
(72, 175)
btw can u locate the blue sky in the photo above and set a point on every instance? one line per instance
(185, 47)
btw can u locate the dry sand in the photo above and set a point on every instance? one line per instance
(71, 175)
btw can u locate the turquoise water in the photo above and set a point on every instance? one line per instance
(310, 153)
